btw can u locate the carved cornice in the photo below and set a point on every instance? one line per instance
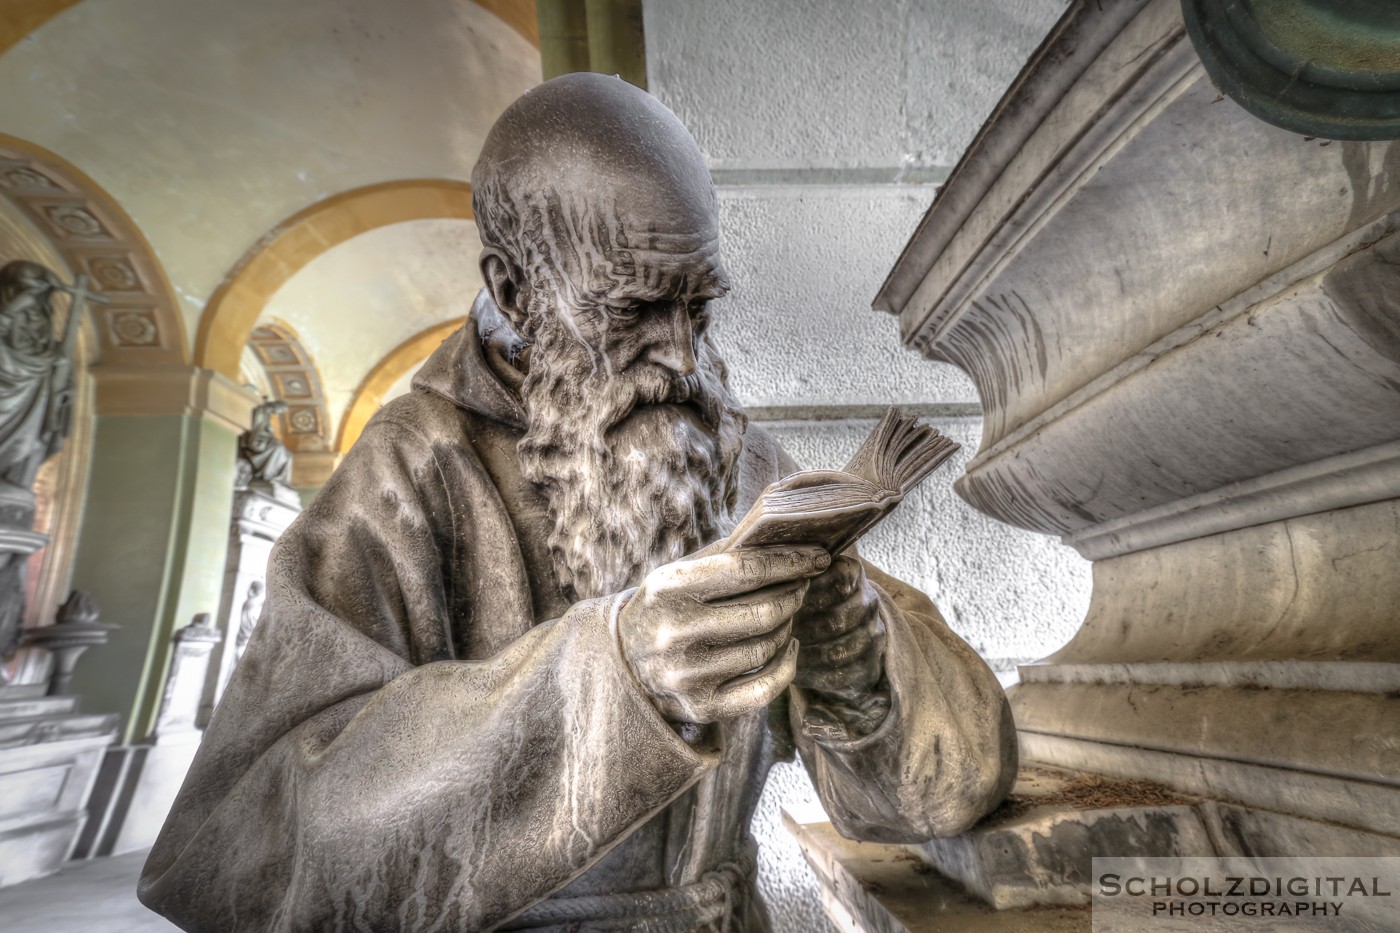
(1068, 52)
(173, 390)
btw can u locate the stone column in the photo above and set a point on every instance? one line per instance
(155, 529)
(1184, 326)
(260, 514)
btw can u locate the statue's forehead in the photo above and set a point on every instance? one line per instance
(647, 246)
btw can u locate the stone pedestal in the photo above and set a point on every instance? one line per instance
(137, 783)
(261, 512)
(873, 888)
(49, 757)
(18, 541)
(1184, 326)
(1029, 865)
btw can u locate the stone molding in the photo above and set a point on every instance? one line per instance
(173, 390)
(1182, 325)
(1347, 676)
(1338, 482)
(141, 321)
(1240, 304)
(1339, 800)
(1068, 52)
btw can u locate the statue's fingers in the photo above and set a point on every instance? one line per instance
(736, 659)
(837, 652)
(756, 690)
(741, 570)
(817, 625)
(747, 616)
(836, 584)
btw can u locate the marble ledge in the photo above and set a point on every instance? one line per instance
(887, 889)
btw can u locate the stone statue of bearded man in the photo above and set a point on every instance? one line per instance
(503, 679)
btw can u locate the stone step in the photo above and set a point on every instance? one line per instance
(22, 691)
(873, 888)
(16, 708)
(1037, 848)
(36, 730)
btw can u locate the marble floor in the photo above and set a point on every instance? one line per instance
(99, 895)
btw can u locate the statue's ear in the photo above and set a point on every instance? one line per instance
(503, 282)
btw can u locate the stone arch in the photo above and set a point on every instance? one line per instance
(293, 377)
(234, 308)
(72, 225)
(23, 17)
(141, 324)
(398, 363)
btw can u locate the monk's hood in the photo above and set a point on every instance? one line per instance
(458, 371)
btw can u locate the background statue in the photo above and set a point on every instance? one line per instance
(248, 618)
(261, 454)
(36, 370)
(36, 411)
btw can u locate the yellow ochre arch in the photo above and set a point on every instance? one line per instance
(238, 302)
(393, 367)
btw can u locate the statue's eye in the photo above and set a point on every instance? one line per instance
(624, 312)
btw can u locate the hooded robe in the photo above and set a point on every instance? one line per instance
(425, 734)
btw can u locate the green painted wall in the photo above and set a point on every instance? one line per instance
(151, 551)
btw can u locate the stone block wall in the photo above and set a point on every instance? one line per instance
(827, 126)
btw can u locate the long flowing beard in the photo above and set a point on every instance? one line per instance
(638, 467)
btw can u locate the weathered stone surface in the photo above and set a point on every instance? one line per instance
(1182, 326)
(871, 888)
(504, 686)
(1038, 849)
(44, 786)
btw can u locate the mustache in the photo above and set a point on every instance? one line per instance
(660, 387)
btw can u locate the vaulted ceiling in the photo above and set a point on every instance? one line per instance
(303, 163)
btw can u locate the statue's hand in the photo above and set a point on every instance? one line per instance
(709, 636)
(840, 632)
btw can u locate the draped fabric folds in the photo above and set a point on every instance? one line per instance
(424, 735)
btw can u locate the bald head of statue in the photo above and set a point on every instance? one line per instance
(589, 186)
(600, 232)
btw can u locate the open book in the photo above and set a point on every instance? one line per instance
(833, 508)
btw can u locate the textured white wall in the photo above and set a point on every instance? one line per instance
(830, 83)
(825, 123)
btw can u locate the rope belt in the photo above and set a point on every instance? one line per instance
(705, 905)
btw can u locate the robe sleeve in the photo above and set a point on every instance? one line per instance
(350, 781)
(945, 754)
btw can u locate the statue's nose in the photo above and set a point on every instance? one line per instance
(674, 344)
